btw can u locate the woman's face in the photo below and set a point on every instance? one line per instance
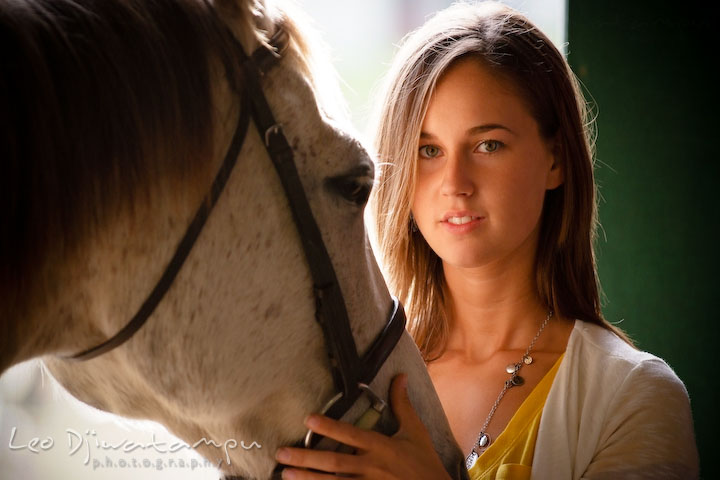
(483, 170)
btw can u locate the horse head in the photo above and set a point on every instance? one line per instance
(119, 114)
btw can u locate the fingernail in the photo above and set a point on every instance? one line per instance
(288, 474)
(404, 382)
(311, 421)
(282, 455)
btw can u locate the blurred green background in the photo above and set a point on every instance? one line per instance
(648, 66)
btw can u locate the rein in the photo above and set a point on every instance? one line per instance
(351, 373)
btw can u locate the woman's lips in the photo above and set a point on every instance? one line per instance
(461, 222)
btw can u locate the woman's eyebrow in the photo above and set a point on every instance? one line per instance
(474, 130)
(487, 128)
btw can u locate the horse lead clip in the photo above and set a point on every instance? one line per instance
(330, 403)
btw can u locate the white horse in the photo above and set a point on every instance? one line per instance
(115, 116)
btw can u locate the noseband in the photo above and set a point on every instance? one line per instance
(351, 373)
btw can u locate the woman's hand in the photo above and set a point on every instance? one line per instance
(407, 454)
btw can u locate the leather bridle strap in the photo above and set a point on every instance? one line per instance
(330, 309)
(184, 247)
(348, 370)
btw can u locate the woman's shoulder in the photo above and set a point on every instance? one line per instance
(629, 410)
(592, 344)
(601, 369)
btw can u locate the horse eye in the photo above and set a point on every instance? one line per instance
(360, 192)
(355, 189)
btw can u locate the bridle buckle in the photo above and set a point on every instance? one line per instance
(273, 130)
(367, 420)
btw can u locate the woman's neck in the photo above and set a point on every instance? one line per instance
(491, 309)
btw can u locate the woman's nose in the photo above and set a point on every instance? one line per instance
(456, 177)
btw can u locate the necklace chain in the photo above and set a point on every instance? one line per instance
(483, 439)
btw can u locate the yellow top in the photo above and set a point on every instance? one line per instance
(510, 456)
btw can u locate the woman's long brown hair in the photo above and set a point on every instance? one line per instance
(509, 44)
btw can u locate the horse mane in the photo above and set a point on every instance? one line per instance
(100, 102)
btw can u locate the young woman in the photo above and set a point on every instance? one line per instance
(485, 218)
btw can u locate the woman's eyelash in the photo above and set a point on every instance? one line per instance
(486, 146)
(496, 145)
(428, 151)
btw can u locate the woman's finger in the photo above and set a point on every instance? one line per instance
(343, 432)
(402, 407)
(297, 474)
(318, 459)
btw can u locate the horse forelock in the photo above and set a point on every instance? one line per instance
(103, 104)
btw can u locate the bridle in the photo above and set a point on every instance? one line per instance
(351, 373)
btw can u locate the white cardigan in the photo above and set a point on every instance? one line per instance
(614, 412)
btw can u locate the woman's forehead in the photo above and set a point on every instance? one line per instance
(470, 92)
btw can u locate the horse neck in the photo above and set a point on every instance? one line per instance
(87, 296)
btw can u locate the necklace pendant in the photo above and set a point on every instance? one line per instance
(515, 380)
(471, 459)
(482, 442)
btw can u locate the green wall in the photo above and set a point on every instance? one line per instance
(647, 66)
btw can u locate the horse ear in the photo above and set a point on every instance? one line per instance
(241, 8)
(245, 18)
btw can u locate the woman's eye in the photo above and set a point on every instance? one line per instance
(489, 146)
(429, 151)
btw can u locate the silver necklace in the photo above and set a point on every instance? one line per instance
(483, 440)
